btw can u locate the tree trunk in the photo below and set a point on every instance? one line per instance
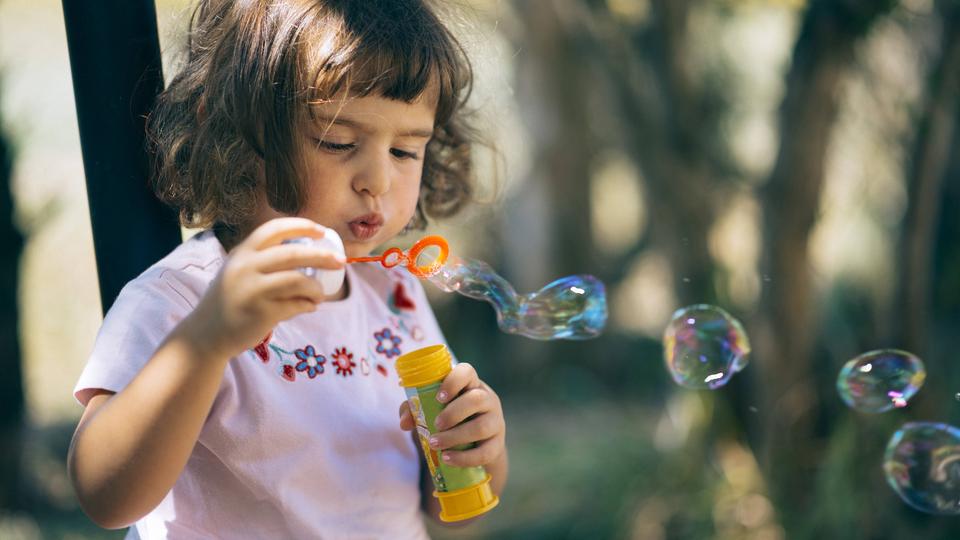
(925, 178)
(786, 328)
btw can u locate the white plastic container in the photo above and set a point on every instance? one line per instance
(330, 280)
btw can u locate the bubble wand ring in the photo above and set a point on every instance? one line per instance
(394, 256)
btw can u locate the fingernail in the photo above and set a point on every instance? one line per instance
(434, 442)
(445, 458)
(341, 258)
(442, 397)
(438, 424)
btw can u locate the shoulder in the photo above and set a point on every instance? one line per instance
(181, 277)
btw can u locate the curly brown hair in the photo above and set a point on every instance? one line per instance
(230, 119)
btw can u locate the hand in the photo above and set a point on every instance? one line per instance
(259, 286)
(473, 415)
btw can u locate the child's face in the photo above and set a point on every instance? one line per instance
(364, 162)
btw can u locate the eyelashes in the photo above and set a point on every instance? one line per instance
(342, 148)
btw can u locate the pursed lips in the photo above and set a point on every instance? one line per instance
(366, 226)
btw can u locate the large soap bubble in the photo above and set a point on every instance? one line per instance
(704, 346)
(878, 381)
(922, 464)
(572, 307)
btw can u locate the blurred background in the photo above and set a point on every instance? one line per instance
(794, 162)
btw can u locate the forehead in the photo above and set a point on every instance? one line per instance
(377, 113)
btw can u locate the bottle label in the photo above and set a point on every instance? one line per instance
(425, 408)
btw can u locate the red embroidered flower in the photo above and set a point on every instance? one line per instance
(288, 372)
(262, 349)
(343, 361)
(401, 300)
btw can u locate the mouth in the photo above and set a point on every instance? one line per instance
(366, 227)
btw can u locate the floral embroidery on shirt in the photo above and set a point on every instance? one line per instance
(398, 300)
(388, 344)
(288, 372)
(364, 366)
(310, 361)
(413, 331)
(343, 361)
(261, 349)
(382, 370)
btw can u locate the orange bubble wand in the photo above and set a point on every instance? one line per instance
(395, 256)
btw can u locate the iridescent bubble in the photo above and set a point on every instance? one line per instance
(878, 381)
(572, 307)
(922, 464)
(704, 346)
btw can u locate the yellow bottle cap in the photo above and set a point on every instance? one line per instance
(466, 503)
(424, 366)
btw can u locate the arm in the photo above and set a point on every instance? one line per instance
(473, 414)
(130, 447)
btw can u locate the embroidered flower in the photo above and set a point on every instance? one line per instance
(387, 343)
(262, 349)
(399, 300)
(343, 361)
(310, 361)
(288, 372)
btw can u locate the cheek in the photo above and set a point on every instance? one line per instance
(412, 194)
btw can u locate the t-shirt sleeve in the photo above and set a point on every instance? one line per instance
(142, 316)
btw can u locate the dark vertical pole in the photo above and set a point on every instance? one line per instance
(115, 61)
(11, 383)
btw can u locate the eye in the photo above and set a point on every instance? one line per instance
(333, 147)
(403, 154)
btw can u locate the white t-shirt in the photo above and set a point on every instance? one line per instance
(303, 439)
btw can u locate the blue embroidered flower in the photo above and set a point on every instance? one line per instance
(388, 344)
(310, 361)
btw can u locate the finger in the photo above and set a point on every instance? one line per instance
(289, 284)
(406, 417)
(277, 230)
(292, 256)
(480, 428)
(462, 377)
(470, 402)
(485, 453)
(291, 307)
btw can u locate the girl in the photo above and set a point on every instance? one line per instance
(288, 114)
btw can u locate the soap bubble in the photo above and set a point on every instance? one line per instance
(878, 381)
(704, 346)
(572, 307)
(922, 464)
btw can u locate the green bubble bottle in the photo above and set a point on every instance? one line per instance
(463, 492)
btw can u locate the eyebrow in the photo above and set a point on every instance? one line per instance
(341, 121)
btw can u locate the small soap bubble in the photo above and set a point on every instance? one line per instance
(922, 465)
(957, 397)
(878, 381)
(704, 346)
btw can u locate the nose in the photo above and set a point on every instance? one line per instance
(373, 177)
